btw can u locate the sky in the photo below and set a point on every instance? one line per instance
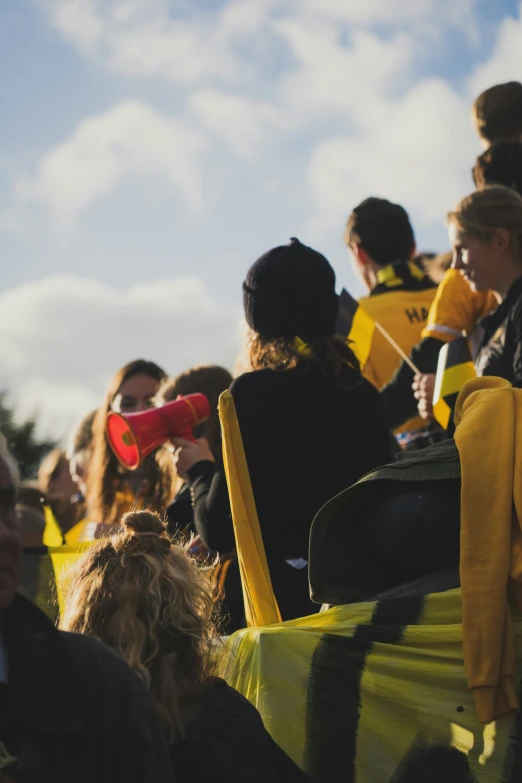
(151, 150)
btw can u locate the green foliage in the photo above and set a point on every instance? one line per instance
(21, 439)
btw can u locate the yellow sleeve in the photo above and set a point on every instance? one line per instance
(456, 308)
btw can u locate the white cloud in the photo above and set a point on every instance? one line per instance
(344, 78)
(505, 62)
(244, 123)
(131, 140)
(62, 338)
(417, 151)
(79, 21)
(457, 13)
(142, 38)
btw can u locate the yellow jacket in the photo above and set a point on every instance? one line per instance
(456, 308)
(488, 416)
(400, 303)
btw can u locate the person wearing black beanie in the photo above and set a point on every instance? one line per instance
(311, 425)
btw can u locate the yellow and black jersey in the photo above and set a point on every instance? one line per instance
(400, 302)
(456, 308)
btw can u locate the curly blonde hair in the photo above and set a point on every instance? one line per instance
(146, 598)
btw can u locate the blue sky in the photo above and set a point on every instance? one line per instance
(151, 150)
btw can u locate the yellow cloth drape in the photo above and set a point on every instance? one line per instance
(260, 603)
(488, 416)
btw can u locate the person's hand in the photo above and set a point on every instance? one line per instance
(423, 388)
(188, 453)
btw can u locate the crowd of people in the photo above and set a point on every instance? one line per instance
(313, 421)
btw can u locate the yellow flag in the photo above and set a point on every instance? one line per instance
(260, 603)
(454, 369)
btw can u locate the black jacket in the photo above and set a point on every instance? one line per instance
(228, 743)
(501, 350)
(305, 440)
(72, 710)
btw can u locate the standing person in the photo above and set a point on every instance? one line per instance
(500, 164)
(497, 113)
(112, 490)
(310, 424)
(58, 486)
(382, 245)
(143, 596)
(79, 454)
(70, 710)
(486, 235)
(211, 381)
(456, 309)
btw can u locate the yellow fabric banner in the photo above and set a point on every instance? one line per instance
(376, 693)
(260, 603)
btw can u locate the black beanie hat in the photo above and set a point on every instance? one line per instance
(290, 292)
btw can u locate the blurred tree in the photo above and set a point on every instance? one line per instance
(21, 438)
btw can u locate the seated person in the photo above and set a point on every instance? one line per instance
(142, 595)
(69, 708)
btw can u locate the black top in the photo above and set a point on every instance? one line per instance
(228, 743)
(501, 350)
(305, 440)
(72, 709)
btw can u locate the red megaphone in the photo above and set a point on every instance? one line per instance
(134, 435)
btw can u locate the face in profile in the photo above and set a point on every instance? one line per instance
(10, 538)
(476, 259)
(135, 394)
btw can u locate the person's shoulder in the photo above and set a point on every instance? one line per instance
(90, 655)
(225, 706)
(257, 381)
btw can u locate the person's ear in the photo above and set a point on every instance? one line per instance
(360, 255)
(502, 239)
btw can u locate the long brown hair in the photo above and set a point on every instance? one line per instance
(208, 379)
(105, 477)
(335, 358)
(146, 598)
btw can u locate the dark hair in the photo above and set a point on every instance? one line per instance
(500, 164)
(382, 229)
(335, 358)
(105, 477)
(206, 379)
(497, 112)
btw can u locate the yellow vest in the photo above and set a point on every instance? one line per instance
(403, 313)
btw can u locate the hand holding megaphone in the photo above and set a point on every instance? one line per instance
(188, 453)
(132, 436)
